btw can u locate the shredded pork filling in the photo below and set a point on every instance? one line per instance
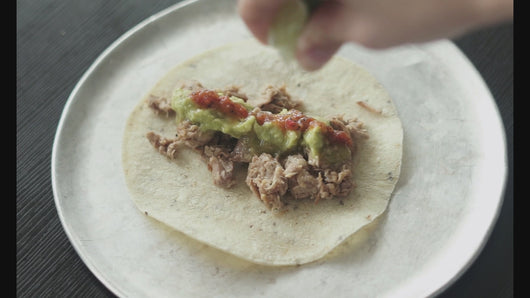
(220, 164)
(267, 180)
(167, 147)
(269, 177)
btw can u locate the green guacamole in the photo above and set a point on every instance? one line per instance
(265, 138)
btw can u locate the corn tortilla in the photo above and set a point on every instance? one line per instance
(180, 193)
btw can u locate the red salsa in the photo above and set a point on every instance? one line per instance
(297, 121)
(208, 99)
(292, 120)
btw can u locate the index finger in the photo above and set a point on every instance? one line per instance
(258, 15)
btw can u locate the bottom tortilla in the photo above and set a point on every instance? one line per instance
(181, 193)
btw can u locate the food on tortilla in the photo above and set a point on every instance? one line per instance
(286, 152)
(170, 182)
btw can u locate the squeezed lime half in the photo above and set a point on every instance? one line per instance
(287, 26)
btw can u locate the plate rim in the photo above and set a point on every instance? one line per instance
(172, 8)
(469, 67)
(58, 133)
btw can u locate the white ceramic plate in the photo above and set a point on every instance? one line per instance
(439, 218)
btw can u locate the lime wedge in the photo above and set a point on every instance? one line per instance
(287, 26)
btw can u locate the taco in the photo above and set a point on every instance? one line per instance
(275, 165)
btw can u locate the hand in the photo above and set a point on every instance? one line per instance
(375, 23)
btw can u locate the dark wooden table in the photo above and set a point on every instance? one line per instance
(56, 43)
